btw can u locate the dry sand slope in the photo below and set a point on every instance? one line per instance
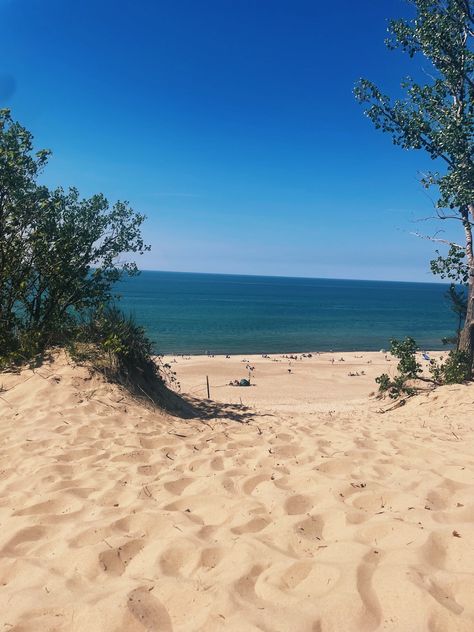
(307, 517)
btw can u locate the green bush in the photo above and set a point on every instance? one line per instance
(394, 387)
(117, 346)
(455, 370)
(60, 255)
(405, 351)
(408, 369)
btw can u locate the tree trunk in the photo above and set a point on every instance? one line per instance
(466, 342)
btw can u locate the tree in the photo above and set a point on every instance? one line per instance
(20, 199)
(59, 254)
(453, 266)
(437, 116)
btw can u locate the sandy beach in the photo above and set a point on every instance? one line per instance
(298, 504)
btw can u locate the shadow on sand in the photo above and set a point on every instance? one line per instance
(187, 407)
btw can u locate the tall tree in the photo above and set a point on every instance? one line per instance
(437, 116)
(60, 255)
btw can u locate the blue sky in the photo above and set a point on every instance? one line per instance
(230, 123)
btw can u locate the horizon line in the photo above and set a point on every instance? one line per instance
(286, 276)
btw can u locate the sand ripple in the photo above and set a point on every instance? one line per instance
(115, 517)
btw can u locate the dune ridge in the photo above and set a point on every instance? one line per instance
(310, 512)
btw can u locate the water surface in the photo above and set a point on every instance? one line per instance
(216, 313)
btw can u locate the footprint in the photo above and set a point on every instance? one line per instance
(252, 526)
(115, 561)
(24, 536)
(337, 466)
(251, 483)
(178, 486)
(287, 451)
(148, 470)
(178, 559)
(365, 571)
(443, 595)
(149, 611)
(228, 485)
(217, 463)
(298, 504)
(245, 586)
(210, 557)
(311, 528)
(296, 581)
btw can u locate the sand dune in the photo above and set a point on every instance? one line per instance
(303, 509)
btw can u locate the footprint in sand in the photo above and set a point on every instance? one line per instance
(149, 611)
(294, 581)
(251, 483)
(178, 486)
(245, 585)
(298, 504)
(178, 559)
(365, 571)
(115, 561)
(311, 528)
(252, 526)
(211, 557)
(23, 539)
(217, 463)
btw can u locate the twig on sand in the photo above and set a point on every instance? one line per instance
(146, 395)
(397, 404)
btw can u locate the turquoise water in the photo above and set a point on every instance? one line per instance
(199, 313)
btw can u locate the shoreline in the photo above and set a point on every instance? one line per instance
(257, 354)
(319, 381)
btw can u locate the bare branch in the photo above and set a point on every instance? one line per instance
(437, 240)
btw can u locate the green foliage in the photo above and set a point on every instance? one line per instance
(395, 387)
(437, 116)
(453, 266)
(408, 369)
(455, 370)
(59, 254)
(405, 351)
(458, 300)
(116, 346)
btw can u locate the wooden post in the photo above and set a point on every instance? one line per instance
(207, 382)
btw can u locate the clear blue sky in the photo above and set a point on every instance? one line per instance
(230, 123)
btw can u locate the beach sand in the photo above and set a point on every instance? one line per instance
(292, 505)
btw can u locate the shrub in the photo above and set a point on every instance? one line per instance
(405, 351)
(114, 344)
(60, 255)
(455, 370)
(408, 369)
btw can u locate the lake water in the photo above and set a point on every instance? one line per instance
(216, 313)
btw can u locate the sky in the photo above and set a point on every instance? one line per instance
(231, 124)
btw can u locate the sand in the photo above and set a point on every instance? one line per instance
(303, 509)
